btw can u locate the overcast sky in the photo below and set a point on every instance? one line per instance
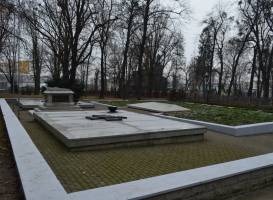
(199, 8)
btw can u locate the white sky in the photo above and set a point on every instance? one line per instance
(199, 8)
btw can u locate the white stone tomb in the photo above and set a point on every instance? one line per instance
(74, 130)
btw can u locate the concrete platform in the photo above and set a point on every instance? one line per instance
(158, 107)
(29, 104)
(75, 131)
(86, 105)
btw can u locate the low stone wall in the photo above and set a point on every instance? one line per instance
(38, 180)
(215, 182)
(242, 130)
(223, 189)
(142, 143)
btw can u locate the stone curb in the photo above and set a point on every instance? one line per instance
(242, 130)
(38, 180)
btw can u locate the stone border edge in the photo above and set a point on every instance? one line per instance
(37, 179)
(242, 130)
(135, 107)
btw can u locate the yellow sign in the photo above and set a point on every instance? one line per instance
(24, 67)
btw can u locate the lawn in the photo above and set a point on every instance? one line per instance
(210, 113)
(223, 115)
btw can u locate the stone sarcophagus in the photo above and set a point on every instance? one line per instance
(58, 97)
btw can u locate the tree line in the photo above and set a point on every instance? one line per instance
(125, 45)
(235, 53)
(136, 47)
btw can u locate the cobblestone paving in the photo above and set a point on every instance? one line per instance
(85, 170)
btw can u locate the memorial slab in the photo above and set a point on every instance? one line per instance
(158, 107)
(85, 105)
(29, 104)
(75, 131)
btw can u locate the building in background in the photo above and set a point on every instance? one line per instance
(25, 77)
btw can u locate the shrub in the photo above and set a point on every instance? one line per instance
(27, 90)
(77, 87)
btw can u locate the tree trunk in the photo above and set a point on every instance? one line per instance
(259, 84)
(221, 74)
(36, 57)
(86, 77)
(96, 82)
(102, 74)
(122, 83)
(267, 75)
(236, 63)
(212, 62)
(142, 48)
(253, 70)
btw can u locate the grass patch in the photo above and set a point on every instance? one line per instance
(223, 115)
(232, 116)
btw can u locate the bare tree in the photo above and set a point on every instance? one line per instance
(36, 51)
(128, 22)
(70, 30)
(106, 18)
(6, 16)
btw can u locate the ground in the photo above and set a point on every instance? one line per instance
(9, 181)
(76, 170)
(211, 113)
(90, 169)
(224, 115)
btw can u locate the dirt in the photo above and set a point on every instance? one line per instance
(10, 188)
